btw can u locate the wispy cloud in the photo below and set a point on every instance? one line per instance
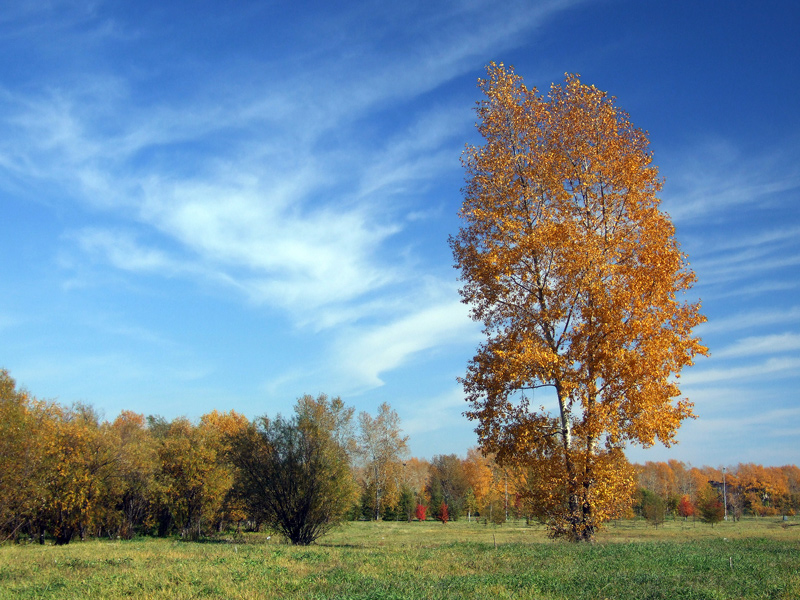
(367, 353)
(743, 424)
(262, 233)
(742, 265)
(437, 413)
(774, 367)
(761, 345)
(122, 250)
(715, 177)
(755, 319)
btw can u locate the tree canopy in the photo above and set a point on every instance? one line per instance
(575, 272)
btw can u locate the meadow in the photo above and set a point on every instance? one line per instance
(755, 558)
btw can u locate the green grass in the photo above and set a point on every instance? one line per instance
(752, 559)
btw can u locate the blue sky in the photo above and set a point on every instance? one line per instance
(227, 205)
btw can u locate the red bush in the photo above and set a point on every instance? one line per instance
(421, 512)
(444, 514)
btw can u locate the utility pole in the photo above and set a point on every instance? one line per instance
(724, 494)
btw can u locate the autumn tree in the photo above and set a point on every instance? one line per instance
(415, 477)
(80, 464)
(493, 484)
(217, 429)
(443, 514)
(791, 474)
(685, 507)
(652, 507)
(193, 480)
(575, 273)
(381, 447)
(24, 424)
(135, 474)
(479, 471)
(331, 415)
(684, 485)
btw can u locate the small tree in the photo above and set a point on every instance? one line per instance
(444, 514)
(421, 512)
(494, 512)
(710, 506)
(381, 448)
(653, 508)
(685, 507)
(470, 504)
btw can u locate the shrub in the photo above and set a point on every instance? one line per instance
(444, 514)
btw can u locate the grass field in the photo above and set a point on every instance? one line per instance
(759, 558)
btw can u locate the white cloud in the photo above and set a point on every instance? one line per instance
(774, 367)
(781, 238)
(758, 436)
(753, 257)
(123, 251)
(744, 423)
(744, 265)
(761, 345)
(369, 352)
(278, 251)
(753, 290)
(715, 177)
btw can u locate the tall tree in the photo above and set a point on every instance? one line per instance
(218, 429)
(382, 448)
(575, 273)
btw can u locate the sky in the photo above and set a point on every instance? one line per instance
(215, 205)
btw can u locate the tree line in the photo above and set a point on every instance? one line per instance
(66, 473)
(675, 489)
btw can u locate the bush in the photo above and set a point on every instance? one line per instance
(293, 476)
(421, 512)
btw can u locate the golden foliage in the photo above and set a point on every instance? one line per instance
(575, 273)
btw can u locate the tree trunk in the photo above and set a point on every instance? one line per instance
(64, 536)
